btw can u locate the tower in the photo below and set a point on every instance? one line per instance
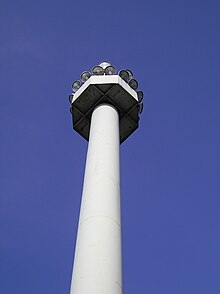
(105, 110)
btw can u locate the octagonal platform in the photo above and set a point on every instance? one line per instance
(110, 89)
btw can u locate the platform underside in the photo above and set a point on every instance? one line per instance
(110, 93)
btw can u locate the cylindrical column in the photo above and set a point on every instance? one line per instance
(97, 263)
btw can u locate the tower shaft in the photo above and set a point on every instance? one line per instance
(98, 264)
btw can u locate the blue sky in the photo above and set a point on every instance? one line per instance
(170, 166)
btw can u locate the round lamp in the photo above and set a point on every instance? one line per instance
(133, 84)
(104, 64)
(130, 74)
(71, 98)
(85, 76)
(98, 70)
(141, 106)
(76, 85)
(140, 95)
(110, 70)
(124, 75)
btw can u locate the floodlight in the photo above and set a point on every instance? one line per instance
(76, 85)
(140, 95)
(124, 75)
(98, 70)
(110, 70)
(130, 74)
(104, 64)
(105, 111)
(85, 76)
(141, 106)
(71, 98)
(133, 84)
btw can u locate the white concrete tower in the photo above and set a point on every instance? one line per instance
(105, 110)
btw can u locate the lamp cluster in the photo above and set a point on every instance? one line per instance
(105, 68)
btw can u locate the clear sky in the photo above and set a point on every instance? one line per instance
(170, 166)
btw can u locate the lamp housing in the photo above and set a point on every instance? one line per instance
(104, 64)
(124, 75)
(76, 85)
(133, 84)
(71, 98)
(130, 74)
(85, 76)
(140, 95)
(141, 107)
(110, 70)
(98, 70)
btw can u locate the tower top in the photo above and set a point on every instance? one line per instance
(104, 86)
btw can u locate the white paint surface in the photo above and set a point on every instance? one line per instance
(98, 263)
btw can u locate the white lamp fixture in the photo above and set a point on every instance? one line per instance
(85, 76)
(110, 70)
(76, 85)
(130, 74)
(104, 64)
(124, 75)
(141, 107)
(71, 98)
(140, 95)
(133, 84)
(98, 70)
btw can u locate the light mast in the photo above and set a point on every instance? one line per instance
(105, 109)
